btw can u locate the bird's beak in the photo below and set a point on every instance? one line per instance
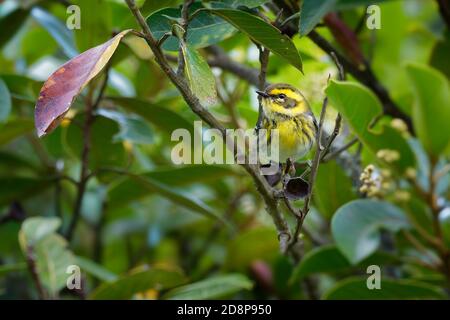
(262, 94)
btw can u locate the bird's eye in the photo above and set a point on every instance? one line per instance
(282, 96)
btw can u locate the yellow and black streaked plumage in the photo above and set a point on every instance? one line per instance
(286, 109)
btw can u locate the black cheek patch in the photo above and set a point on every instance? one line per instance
(289, 103)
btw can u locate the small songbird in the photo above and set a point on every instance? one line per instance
(286, 109)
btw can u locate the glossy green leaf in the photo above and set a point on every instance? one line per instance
(11, 160)
(11, 23)
(356, 288)
(38, 239)
(104, 150)
(323, 259)
(255, 244)
(438, 58)
(35, 229)
(262, 33)
(14, 129)
(444, 219)
(333, 188)
(5, 101)
(351, 4)
(419, 214)
(162, 117)
(431, 110)
(328, 259)
(212, 288)
(312, 12)
(22, 87)
(356, 226)
(20, 188)
(98, 25)
(360, 107)
(199, 76)
(176, 176)
(9, 268)
(36, 44)
(95, 269)
(132, 128)
(57, 29)
(139, 280)
(246, 3)
(52, 262)
(178, 197)
(204, 29)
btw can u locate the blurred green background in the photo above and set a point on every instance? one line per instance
(156, 234)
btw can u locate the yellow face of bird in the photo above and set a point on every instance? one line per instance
(282, 99)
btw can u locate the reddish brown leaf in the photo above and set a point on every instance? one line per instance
(66, 83)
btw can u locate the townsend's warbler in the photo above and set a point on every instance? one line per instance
(286, 109)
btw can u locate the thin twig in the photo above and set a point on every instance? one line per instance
(334, 154)
(253, 170)
(264, 61)
(318, 156)
(84, 172)
(31, 262)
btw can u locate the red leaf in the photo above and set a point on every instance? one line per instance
(66, 83)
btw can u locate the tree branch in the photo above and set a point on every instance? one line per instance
(264, 61)
(364, 75)
(444, 9)
(221, 60)
(264, 189)
(318, 156)
(84, 172)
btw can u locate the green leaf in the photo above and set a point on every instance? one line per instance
(360, 107)
(212, 288)
(10, 24)
(57, 29)
(21, 87)
(5, 101)
(323, 259)
(444, 219)
(262, 33)
(333, 188)
(356, 288)
(255, 244)
(132, 128)
(95, 28)
(431, 110)
(312, 12)
(246, 3)
(14, 129)
(36, 44)
(356, 225)
(438, 58)
(8, 268)
(162, 117)
(350, 4)
(328, 259)
(204, 29)
(20, 188)
(95, 269)
(128, 189)
(177, 197)
(52, 262)
(199, 76)
(104, 151)
(35, 229)
(139, 280)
